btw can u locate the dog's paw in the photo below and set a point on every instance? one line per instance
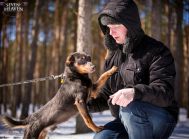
(99, 128)
(113, 70)
(94, 95)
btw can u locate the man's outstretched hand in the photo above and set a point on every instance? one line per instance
(123, 97)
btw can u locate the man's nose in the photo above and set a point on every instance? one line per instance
(112, 32)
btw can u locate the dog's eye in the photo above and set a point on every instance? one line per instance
(82, 60)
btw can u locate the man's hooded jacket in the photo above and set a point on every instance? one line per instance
(145, 64)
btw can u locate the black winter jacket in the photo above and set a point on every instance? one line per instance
(148, 67)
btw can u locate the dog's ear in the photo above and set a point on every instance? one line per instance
(70, 60)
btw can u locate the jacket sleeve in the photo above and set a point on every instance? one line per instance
(160, 90)
(113, 84)
(100, 103)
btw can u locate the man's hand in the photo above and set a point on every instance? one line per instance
(123, 97)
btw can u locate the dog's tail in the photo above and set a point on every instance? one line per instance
(11, 123)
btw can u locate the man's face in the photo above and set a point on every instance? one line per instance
(118, 32)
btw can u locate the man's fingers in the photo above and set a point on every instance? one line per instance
(115, 98)
(122, 97)
(112, 96)
(122, 100)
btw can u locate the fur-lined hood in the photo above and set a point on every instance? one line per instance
(126, 13)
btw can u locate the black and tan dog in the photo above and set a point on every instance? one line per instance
(70, 98)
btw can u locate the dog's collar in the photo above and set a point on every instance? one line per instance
(63, 79)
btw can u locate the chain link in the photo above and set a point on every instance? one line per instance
(51, 77)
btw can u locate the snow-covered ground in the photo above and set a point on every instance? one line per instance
(66, 130)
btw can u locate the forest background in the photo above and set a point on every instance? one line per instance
(36, 37)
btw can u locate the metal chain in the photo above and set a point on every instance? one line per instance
(51, 77)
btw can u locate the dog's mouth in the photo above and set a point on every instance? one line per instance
(92, 69)
(86, 68)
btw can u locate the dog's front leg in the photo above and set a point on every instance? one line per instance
(82, 108)
(101, 81)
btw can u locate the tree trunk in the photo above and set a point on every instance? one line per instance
(63, 38)
(170, 23)
(84, 26)
(75, 25)
(56, 47)
(32, 62)
(1, 57)
(44, 57)
(179, 51)
(148, 11)
(17, 58)
(83, 44)
(186, 42)
(4, 62)
(25, 58)
(156, 19)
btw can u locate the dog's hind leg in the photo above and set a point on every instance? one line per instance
(33, 131)
(43, 134)
(45, 131)
(101, 81)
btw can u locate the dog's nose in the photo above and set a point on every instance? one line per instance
(93, 67)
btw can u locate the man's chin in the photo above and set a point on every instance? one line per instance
(119, 42)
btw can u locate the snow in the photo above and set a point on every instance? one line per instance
(66, 130)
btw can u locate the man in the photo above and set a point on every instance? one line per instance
(141, 94)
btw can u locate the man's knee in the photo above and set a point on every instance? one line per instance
(102, 135)
(132, 113)
(134, 107)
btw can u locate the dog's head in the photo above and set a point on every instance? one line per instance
(80, 62)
